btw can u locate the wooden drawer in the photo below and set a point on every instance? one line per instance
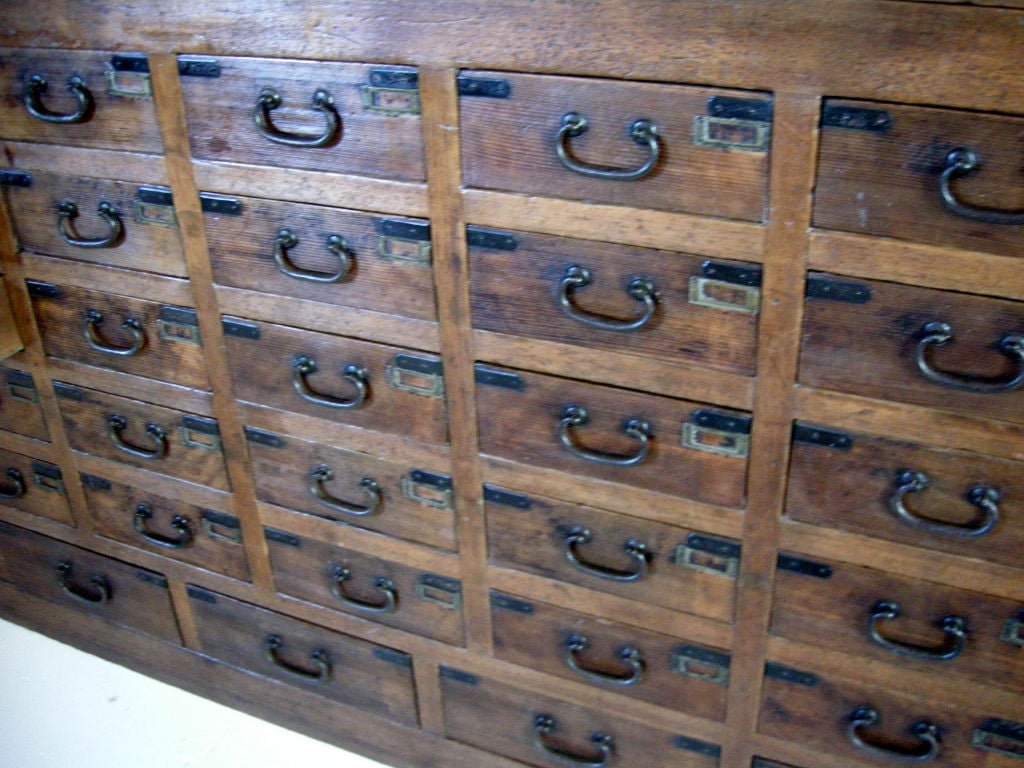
(100, 586)
(516, 127)
(86, 98)
(645, 665)
(660, 305)
(207, 538)
(121, 333)
(953, 501)
(374, 588)
(646, 561)
(544, 731)
(19, 405)
(320, 116)
(326, 663)
(905, 172)
(367, 385)
(915, 345)
(144, 435)
(352, 488)
(656, 443)
(908, 622)
(103, 221)
(331, 255)
(34, 486)
(859, 719)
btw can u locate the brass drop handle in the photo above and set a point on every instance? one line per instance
(954, 627)
(637, 551)
(641, 289)
(16, 487)
(144, 513)
(389, 604)
(90, 328)
(865, 717)
(642, 132)
(1010, 346)
(985, 497)
(269, 100)
(97, 593)
(577, 416)
(576, 644)
(37, 86)
(336, 245)
(545, 725)
(371, 488)
(960, 162)
(116, 424)
(67, 212)
(358, 377)
(271, 652)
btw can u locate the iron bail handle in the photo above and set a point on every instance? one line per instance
(15, 487)
(37, 86)
(144, 513)
(954, 628)
(67, 212)
(1010, 346)
(985, 497)
(269, 100)
(371, 488)
(389, 604)
(865, 717)
(578, 416)
(960, 162)
(637, 551)
(642, 132)
(90, 328)
(97, 593)
(116, 424)
(358, 377)
(336, 245)
(321, 674)
(640, 289)
(576, 644)
(545, 725)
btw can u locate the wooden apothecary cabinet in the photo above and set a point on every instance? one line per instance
(502, 383)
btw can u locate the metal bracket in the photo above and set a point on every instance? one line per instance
(416, 375)
(721, 434)
(179, 324)
(706, 554)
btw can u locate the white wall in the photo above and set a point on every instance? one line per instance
(61, 708)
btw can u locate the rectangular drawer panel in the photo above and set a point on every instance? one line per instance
(915, 345)
(370, 127)
(649, 562)
(99, 586)
(659, 305)
(512, 135)
(19, 405)
(34, 486)
(326, 663)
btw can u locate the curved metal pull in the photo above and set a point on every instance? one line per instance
(544, 725)
(576, 644)
(116, 424)
(960, 162)
(37, 86)
(99, 594)
(642, 132)
(359, 377)
(577, 416)
(144, 513)
(323, 102)
(336, 245)
(67, 212)
(94, 318)
(320, 659)
(936, 334)
(322, 474)
(866, 717)
(16, 488)
(641, 289)
(340, 574)
(984, 497)
(954, 627)
(637, 550)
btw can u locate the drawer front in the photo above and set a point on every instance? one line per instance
(144, 435)
(909, 622)
(332, 117)
(122, 333)
(175, 528)
(335, 256)
(543, 731)
(103, 221)
(663, 670)
(317, 660)
(370, 587)
(34, 486)
(554, 136)
(368, 385)
(99, 586)
(354, 489)
(953, 501)
(81, 98)
(19, 405)
(649, 562)
(660, 305)
(937, 176)
(915, 345)
(656, 443)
